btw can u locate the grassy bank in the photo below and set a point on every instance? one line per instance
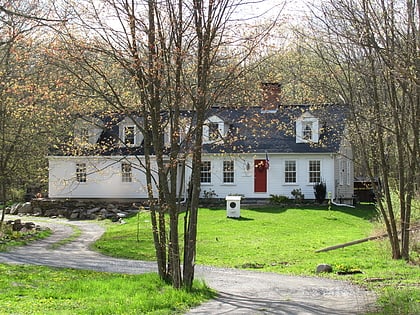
(41, 291)
(284, 240)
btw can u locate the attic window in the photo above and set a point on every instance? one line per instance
(129, 135)
(84, 135)
(213, 131)
(307, 131)
(307, 128)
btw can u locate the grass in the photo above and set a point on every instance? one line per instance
(42, 290)
(275, 239)
(284, 240)
(76, 233)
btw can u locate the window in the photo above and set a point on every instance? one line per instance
(84, 135)
(307, 131)
(81, 172)
(348, 173)
(314, 171)
(341, 172)
(126, 173)
(290, 172)
(129, 135)
(213, 131)
(205, 175)
(228, 172)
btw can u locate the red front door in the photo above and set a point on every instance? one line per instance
(260, 176)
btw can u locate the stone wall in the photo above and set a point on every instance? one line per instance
(76, 209)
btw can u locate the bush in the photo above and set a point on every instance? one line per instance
(278, 199)
(297, 193)
(320, 191)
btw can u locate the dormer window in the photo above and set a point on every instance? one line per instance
(129, 135)
(87, 131)
(307, 129)
(84, 135)
(214, 129)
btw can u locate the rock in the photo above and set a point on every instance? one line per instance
(110, 206)
(74, 215)
(323, 268)
(29, 225)
(25, 208)
(14, 209)
(17, 225)
(92, 211)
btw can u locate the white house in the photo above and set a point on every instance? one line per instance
(255, 152)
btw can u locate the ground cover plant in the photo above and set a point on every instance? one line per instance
(284, 240)
(42, 290)
(10, 238)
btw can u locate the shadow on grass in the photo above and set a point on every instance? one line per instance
(364, 211)
(240, 219)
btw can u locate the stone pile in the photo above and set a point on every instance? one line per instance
(75, 210)
(19, 226)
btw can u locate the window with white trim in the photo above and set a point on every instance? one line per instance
(314, 171)
(290, 171)
(228, 172)
(81, 172)
(205, 172)
(126, 172)
(307, 128)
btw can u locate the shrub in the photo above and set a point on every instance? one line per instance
(320, 191)
(278, 199)
(297, 193)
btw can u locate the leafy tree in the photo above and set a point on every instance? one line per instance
(27, 117)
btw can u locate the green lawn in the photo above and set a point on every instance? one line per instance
(39, 290)
(275, 239)
(284, 240)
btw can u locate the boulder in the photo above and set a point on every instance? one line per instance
(323, 268)
(14, 209)
(25, 208)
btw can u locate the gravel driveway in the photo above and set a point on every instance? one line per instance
(239, 291)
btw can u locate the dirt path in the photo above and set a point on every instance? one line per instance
(240, 292)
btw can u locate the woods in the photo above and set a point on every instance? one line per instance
(150, 60)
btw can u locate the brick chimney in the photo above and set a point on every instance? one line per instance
(270, 96)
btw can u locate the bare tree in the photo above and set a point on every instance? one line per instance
(371, 49)
(156, 59)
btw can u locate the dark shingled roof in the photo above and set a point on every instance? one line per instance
(251, 130)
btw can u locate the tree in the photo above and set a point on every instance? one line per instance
(371, 50)
(26, 111)
(154, 59)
